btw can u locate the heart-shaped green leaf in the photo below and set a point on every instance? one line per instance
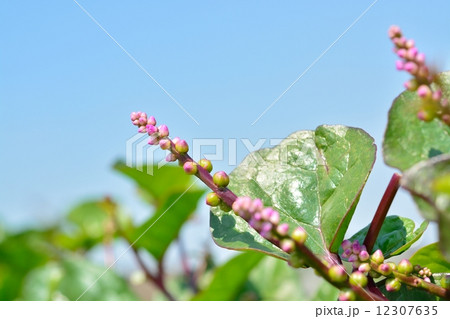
(229, 278)
(313, 178)
(408, 140)
(397, 234)
(431, 257)
(428, 182)
(160, 184)
(160, 230)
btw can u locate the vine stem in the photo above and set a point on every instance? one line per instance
(416, 282)
(157, 279)
(381, 212)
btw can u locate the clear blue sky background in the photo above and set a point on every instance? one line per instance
(66, 89)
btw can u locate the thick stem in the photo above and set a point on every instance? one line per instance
(381, 212)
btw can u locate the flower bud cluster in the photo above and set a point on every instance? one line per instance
(355, 253)
(266, 221)
(412, 61)
(160, 135)
(423, 272)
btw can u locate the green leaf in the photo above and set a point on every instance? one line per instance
(397, 234)
(274, 280)
(157, 233)
(430, 256)
(73, 278)
(426, 182)
(163, 181)
(326, 292)
(407, 294)
(313, 178)
(94, 221)
(407, 139)
(230, 278)
(19, 254)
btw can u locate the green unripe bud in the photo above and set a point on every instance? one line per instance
(212, 199)
(377, 257)
(221, 179)
(337, 274)
(299, 235)
(223, 206)
(297, 260)
(405, 267)
(393, 284)
(206, 164)
(358, 279)
(364, 267)
(347, 295)
(392, 265)
(385, 269)
(181, 146)
(445, 281)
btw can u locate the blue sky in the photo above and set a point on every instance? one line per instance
(66, 89)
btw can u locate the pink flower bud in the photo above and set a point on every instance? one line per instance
(347, 253)
(411, 67)
(346, 244)
(274, 218)
(142, 129)
(283, 229)
(364, 267)
(256, 206)
(411, 53)
(394, 31)
(163, 131)
(151, 129)
(151, 120)
(409, 43)
(401, 53)
(356, 247)
(164, 144)
(364, 255)
(420, 58)
(267, 212)
(134, 116)
(437, 95)
(143, 120)
(424, 91)
(265, 230)
(153, 140)
(287, 245)
(190, 168)
(399, 65)
(171, 157)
